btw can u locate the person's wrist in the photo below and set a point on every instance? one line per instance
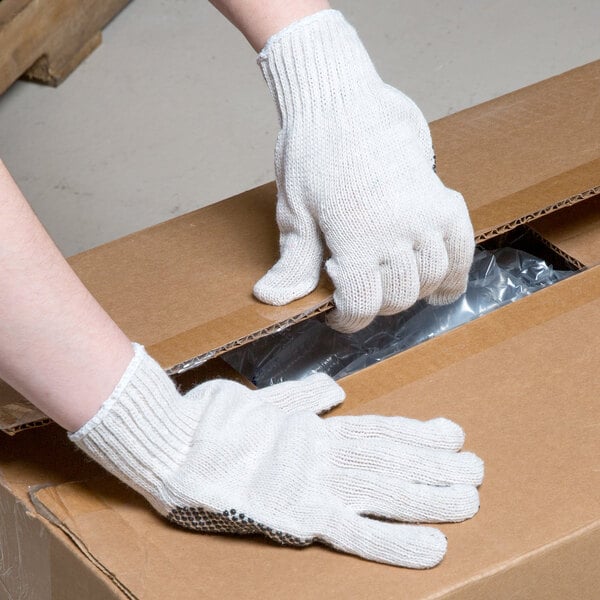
(304, 21)
(141, 432)
(258, 20)
(317, 65)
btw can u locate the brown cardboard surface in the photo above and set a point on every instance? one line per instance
(37, 561)
(521, 152)
(574, 231)
(38, 564)
(184, 288)
(522, 382)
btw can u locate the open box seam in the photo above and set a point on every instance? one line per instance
(275, 328)
(328, 304)
(325, 306)
(204, 358)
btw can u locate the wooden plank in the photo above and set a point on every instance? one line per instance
(45, 40)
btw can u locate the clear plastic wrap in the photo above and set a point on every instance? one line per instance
(497, 278)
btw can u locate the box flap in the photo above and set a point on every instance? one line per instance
(522, 382)
(184, 288)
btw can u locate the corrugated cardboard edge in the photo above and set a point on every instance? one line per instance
(47, 514)
(16, 413)
(487, 234)
(577, 264)
(574, 231)
(23, 426)
(275, 328)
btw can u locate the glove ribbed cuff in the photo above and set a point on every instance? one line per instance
(137, 434)
(316, 62)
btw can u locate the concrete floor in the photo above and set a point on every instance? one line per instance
(171, 112)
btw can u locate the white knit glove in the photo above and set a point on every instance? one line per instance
(226, 459)
(354, 165)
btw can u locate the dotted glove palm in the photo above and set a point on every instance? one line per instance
(226, 459)
(354, 166)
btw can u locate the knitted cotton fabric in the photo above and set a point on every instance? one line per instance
(354, 166)
(225, 459)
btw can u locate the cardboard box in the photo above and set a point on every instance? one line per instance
(522, 381)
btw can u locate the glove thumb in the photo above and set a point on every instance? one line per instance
(316, 393)
(298, 269)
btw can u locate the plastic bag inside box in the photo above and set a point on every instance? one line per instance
(497, 278)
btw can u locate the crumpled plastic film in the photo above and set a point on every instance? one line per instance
(497, 277)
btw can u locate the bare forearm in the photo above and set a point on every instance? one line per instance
(58, 347)
(258, 20)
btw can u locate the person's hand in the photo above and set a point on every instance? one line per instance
(226, 459)
(354, 166)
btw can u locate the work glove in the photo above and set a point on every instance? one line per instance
(354, 166)
(225, 459)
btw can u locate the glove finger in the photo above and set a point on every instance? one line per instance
(357, 296)
(436, 433)
(397, 460)
(400, 282)
(317, 393)
(432, 264)
(370, 494)
(390, 543)
(460, 246)
(298, 269)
